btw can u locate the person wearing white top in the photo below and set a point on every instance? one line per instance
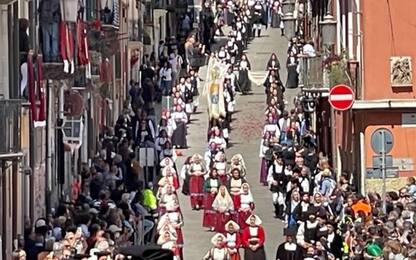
(165, 74)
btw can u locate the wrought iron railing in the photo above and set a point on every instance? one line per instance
(10, 114)
(311, 72)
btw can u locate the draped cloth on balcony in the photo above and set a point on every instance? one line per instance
(36, 90)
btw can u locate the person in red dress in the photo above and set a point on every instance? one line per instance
(246, 205)
(234, 186)
(211, 186)
(253, 239)
(166, 196)
(169, 177)
(220, 163)
(233, 239)
(223, 206)
(196, 182)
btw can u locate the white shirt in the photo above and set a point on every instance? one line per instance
(167, 73)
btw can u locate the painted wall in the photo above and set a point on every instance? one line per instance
(389, 30)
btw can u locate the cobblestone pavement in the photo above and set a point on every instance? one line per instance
(245, 139)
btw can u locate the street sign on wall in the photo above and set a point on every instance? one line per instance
(382, 144)
(341, 97)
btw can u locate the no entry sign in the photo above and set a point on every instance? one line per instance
(341, 97)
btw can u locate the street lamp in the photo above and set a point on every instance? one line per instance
(328, 29)
(288, 6)
(289, 23)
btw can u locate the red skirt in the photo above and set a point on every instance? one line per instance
(223, 179)
(209, 214)
(236, 202)
(242, 218)
(195, 190)
(235, 256)
(221, 220)
(179, 239)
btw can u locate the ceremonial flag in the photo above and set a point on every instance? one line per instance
(214, 88)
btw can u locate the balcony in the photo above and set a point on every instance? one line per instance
(311, 72)
(10, 114)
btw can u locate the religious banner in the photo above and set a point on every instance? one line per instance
(214, 88)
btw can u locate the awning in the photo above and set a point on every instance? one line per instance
(384, 104)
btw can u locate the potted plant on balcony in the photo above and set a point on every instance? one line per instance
(336, 67)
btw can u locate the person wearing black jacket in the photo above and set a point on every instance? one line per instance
(277, 181)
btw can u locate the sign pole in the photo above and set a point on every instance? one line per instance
(383, 167)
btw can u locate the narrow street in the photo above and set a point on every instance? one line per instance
(245, 139)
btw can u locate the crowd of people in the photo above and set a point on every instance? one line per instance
(123, 198)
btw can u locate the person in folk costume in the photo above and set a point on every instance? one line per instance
(265, 145)
(273, 110)
(284, 125)
(211, 186)
(223, 55)
(233, 79)
(273, 64)
(174, 217)
(232, 49)
(220, 163)
(271, 135)
(276, 14)
(253, 239)
(179, 135)
(239, 36)
(233, 239)
(223, 206)
(196, 181)
(307, 233)
(170, 177)
(229, 99)
(178, 101)
(246, 205)
(189, 98)
(217, 137)
(293, 135)
(219, 251)
(194, 79)
(171, 124)
(209, 156)
(257, 18)
(289, 250)
(219, 21)
(292, 73)
(243, 75)
(168, 152)
(291, 216)
(237, 161)
(166, 195)
(276, 97)
(168, 241)
(272, 78)
(161, 140)
(185, 175)
(303, 208)
(234, 186)
(180, 87)
(277, 182)
(230, 12)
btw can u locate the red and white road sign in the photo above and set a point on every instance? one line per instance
(341, 97)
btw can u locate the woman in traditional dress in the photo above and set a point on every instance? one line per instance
(170, 177)
(168, 152)
(166, 196)
(161, 140)
(168, 241)
(185, 175)
(175, 218)
(220, 163)
(195, 81)
(243, 77)
(234, 186)
(219, 251)
(223, 205)
(233, 239)
(289, 250)
(276, 13)
(211, 186)
(196, 182)
(273, 64)
(253, 239)
(264, 148)
(237, 161)
(246, 205)
(217, 137)
(171, 125)
(292, 73)
(179, 135)
(188, 98)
